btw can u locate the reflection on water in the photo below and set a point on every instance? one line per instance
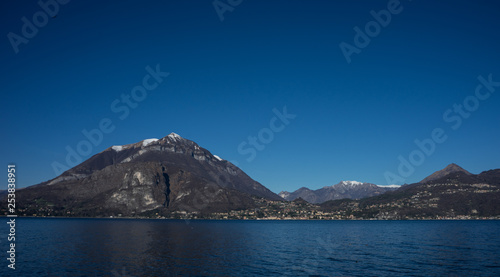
(123, 247)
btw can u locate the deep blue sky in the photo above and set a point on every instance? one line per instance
(226, 77)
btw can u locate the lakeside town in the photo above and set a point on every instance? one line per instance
(301, 210)
(438, 201)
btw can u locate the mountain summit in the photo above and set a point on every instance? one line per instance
(451, 168)
(171, 174)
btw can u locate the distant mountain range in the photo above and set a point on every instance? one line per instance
(451, 192)
(344, 189)
(359, 190)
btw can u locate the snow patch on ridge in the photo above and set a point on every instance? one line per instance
(351, 183)
(391, 186)
(147, 142)
(218, 158)
(117, 148)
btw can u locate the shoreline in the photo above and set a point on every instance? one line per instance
(256, 219)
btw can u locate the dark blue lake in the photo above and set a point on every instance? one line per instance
(126, 247)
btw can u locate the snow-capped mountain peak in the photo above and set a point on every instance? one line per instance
(174, 136)
(343, 189)
(351, 183)
(171, 138)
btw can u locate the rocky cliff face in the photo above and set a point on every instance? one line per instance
(168, 174)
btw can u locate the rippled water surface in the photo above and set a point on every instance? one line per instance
(127, 247)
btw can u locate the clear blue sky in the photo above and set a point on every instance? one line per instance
(353, 120)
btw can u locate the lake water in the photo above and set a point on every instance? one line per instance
(128, 247)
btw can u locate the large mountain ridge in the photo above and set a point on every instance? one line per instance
(176, 151)
(171, 174)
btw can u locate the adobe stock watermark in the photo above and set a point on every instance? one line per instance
(11, 216)
(121, 107)
(266, 134)
(30, 28)
(223, 6)
(454, 116)
(372, 29)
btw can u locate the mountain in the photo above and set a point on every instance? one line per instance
(304, 193)
(344, 189)
(451, 168)
(457, 194)
(167, 175)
